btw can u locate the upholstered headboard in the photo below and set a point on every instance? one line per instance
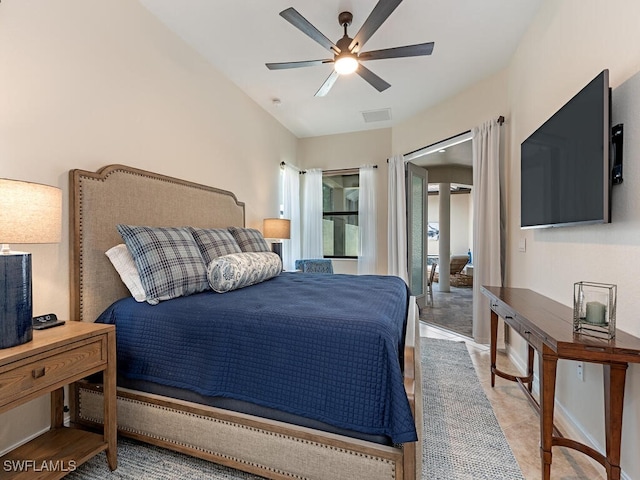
(119, 194)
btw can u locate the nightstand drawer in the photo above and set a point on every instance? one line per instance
(51, 367)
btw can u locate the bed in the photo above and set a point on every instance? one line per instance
(272, 440)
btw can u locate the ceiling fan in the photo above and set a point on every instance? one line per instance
(347, 57)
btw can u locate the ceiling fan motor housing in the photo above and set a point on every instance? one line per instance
(343, 44)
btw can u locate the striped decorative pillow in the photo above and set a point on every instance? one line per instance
(168, 261)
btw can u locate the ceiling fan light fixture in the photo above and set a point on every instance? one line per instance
(346, 64)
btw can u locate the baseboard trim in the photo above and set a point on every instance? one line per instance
(23, 441)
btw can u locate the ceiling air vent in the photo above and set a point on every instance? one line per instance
(383, 115)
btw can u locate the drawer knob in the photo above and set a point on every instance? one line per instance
(527, 332)
(38, 372)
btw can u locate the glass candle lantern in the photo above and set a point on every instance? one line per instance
(594, 309)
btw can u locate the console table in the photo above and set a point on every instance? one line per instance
(547, 326)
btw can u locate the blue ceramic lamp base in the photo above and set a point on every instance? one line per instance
(16, 308)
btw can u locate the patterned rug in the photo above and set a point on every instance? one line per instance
(463, 440)
(462, 437)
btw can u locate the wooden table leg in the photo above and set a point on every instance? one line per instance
(548, 361)
(614, 380)
(530, 368)
(110, 422)
(493, 346)
(57, 408)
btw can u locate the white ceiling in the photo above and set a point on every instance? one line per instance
(473, 40)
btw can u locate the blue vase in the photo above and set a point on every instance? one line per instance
(16, 309)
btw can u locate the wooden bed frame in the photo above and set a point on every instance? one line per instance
(276, 450)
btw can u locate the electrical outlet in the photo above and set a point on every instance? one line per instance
(580, 371)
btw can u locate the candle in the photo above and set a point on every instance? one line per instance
(595, 313)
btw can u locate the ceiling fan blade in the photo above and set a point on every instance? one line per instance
(305, 63)
(375, 81)
(379, 14)
(292, 16)
(397, 52)
(328, 83)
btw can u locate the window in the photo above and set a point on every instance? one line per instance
(340, 194)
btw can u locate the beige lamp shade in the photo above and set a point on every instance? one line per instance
(29, 212)
(277, 228)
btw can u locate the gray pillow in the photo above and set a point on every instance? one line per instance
(168, 261)
(214, 242)
(249, 239)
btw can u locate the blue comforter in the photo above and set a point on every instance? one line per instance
(327, 347)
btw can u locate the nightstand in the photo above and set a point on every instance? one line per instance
(58, 357)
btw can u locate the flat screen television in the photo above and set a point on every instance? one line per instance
(565, 164)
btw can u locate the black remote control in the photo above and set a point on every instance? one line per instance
(46, 321)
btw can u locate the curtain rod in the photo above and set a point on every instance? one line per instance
(500, 122)
(333, 172)
(436, 143)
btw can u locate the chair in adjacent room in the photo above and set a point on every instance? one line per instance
(430, 277)
(314, 265)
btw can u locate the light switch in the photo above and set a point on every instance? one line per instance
(522, 244)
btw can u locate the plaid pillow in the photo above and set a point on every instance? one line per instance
(249, 239)
(168, 261)
(214, 242)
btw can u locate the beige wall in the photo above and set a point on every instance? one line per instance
(486, 100)
(85, 84)
(351, 150)
(568, 44)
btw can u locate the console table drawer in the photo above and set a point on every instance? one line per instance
(50, 368)
(531, 337)
(503, 312)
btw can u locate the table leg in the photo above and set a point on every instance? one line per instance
(110, 423)
(548, 361)
(614, 379)
(493, 346)
(57, 408)
(530, 368)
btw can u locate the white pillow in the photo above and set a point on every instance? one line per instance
(122, 261)
(238, 270)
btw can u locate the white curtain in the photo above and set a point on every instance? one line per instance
(487, 268)
(397, 219)
(312, 214)
(291, 249)
(367, 214)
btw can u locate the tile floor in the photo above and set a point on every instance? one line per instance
(519, 421)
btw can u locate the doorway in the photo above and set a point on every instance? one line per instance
(450, 232)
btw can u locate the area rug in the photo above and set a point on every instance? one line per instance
(462, 437)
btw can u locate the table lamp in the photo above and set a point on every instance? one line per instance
(29, 213)
(276, 229)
